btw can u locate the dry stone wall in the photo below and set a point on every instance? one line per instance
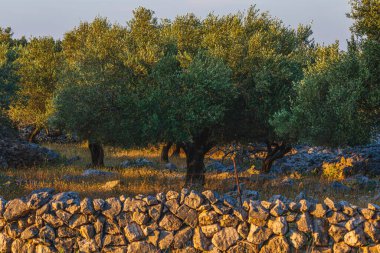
(184, 222)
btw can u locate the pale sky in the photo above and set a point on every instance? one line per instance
(55, 17)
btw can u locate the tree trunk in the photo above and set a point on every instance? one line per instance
(32, 136)
(165, 152)
(195, 166)
(97, 154)
(274, 151)
(195, 154)
(177, 150)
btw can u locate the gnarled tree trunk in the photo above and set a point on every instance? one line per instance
(32, 136)
(177, 150)
(165, 152)
(97, 154)
(274, 151)
(195, 154)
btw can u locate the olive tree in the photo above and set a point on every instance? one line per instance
(94, 78)
(39, 63)
(188, 105)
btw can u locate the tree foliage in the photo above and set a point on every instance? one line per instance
(8, 77)
(39, 63)
(337, 103)
(366, 14)
(95, 82)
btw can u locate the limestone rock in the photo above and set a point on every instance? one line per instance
(228, 220)
(372, 231)
(200, 241)
(220, 208)
(133, 232)
(257, 214)
(279, 208)
(77, 220)
(280, 226)
(277, 244)
(5, 243)
(373, 207)
(243, 230)
(182, 238)
(154, 237)
(212, 196)
(304, 223)
(114, 240)
(297, 239)
(225, 238)
(86, 206)
(66, 232)
(355, 238)
(354, 222)
(193, 200)
(112, 208)
(47, 233)
(87, 231)
(170, 222)
(150, 200)
(172, 195)
(210, 230)
(336, 217)
(87, 245)
(134, 205)
(155, 212)
(139, 247)
(245, 247)
(319, 210)
(29, 233)
(172, 205)
(52, 220)
(332, 204)
(110, 185)
(258, 235)
(337, 233)
(140, 217)
(188, 215)
(367, 213)
(63, 216)
(15, 209)
(40, 248)
(165, 240)
(207, 218)
(320, 234)
(97, 173)
(341, 247)
(37, 200)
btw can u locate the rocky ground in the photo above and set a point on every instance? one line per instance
(360, 169)
(48, 136)
(16, 152)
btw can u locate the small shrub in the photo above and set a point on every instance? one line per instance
(335, 171)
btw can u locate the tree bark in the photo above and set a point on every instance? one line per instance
(195, 154)
(32, 136)
(177, 150)
(274, 151)
(97, 154)
(165, 152)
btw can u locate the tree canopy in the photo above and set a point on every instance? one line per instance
(38, 66)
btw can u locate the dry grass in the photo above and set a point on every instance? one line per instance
(146, 180)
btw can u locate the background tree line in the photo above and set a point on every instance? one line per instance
(243, 78)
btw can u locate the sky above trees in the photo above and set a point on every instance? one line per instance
(55, 17)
